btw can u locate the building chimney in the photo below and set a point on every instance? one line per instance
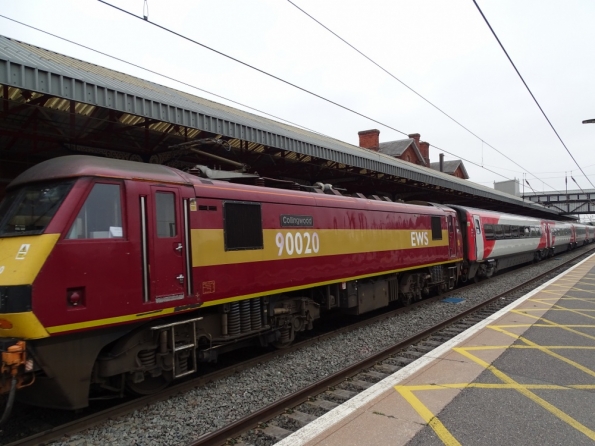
(442, 162)
(368, 139)
(415, 137)
(424, 148)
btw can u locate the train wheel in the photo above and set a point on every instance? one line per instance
(406, 299)
(149, 386)
(285, 339)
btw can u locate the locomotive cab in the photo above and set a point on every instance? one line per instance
(84, 260)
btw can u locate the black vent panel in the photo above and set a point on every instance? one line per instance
(242, 226)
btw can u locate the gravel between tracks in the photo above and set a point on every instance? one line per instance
(184, 418)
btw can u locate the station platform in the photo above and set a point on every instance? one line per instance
(526, 375)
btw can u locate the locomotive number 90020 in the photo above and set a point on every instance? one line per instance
(297, 243)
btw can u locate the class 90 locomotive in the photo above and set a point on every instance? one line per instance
(116, 275)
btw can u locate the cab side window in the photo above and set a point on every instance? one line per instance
(165, 205)
(101, 215)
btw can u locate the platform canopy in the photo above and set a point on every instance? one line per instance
(54, 105)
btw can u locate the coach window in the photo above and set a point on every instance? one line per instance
(101, 215)
(514, 231)
(242, 226)
(498, 231)
(436, 228)
(489, 232)
(165, 211)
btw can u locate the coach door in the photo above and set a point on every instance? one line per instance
(166, 254)
(478, 237)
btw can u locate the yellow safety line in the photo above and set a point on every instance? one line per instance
(543, 349)
(544, 325)
(583, 299)
(572, 310)
(554, 300)
(425, 387)
(563, 327)
(552, 292)
(524, 347)
(581, 290)
(533, 397)
(508, 383)
(432, 421)
(557, 309)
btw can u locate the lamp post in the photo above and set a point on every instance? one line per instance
(589, 121)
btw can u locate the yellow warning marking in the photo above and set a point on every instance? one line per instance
(553, 308)
(551, 292)
(572, 310)
(524, 347)
(554, 301)
(441, 430)
(533, 397)
(563, 327)
(424, 387)
(583, 299)
(543, 326)
(581, 290)
(509, 383)
(546, 351)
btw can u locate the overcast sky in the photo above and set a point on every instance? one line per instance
(442, 49)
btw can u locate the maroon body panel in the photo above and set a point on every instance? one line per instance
(109, 273)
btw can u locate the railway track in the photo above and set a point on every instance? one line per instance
(278, 420)
(410, 348)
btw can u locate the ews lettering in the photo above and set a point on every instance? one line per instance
(419, 238)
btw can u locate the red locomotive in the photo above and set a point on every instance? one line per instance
(115, 274)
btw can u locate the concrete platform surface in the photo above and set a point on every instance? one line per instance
(526, 375)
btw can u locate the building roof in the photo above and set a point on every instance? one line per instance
(42, 71)
(450, 167)
(398, 147)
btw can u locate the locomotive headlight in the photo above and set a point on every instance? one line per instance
(29, 365)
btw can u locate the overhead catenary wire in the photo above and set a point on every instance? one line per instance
(528, 184)
(330, 101)
(529, 90)
(414, 91)
(577, 185)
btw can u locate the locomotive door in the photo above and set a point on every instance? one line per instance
(166, 258)
(452, 244)
(478, 237)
